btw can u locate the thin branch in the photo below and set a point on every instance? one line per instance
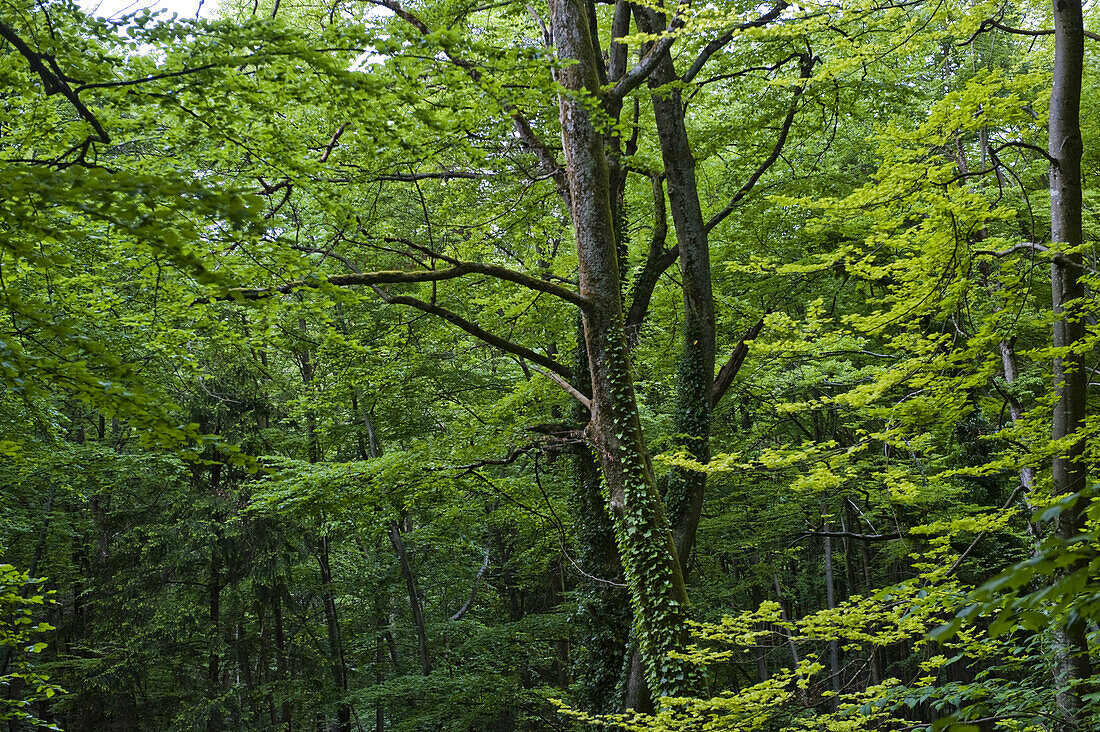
(958, 562)
(718, 43)
(441, 175)
(392, 277)
(473, 593)
(806, 64)
(991, 23)
(1029, 246)
(53, 83)
(569, 388)
(476, 331)
(658, 260)
(144, 79)
(333, 141)
(542, 151)
(1026, 146)
(849, 535)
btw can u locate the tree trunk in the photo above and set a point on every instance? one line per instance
(1067, 292)
(602, 618)
(648, 555)
(414, 597)
(213, 662)
(328, 599)
(280, 655)
(332, 627)
(830, 602)
(695, 375)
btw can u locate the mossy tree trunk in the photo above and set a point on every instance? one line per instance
(650, 564)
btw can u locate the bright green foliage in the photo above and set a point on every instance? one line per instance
(21, 677)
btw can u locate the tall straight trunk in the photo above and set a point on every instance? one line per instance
(695, 374)
(328, 599)
(762, 675)
(213, 661)
(414, 597)
(830, 602)
(1067, 293)
(646, 549)
(332, 628)
(280, 655)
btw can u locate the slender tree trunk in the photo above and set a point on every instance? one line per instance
(762, 675)
(280, 656)
(379, 677)
(784, 616)
(332, 628)
(213, 661)
(414, 597)
(830, 602)
(328, 599)
(648, 555)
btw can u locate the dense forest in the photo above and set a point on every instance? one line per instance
(436, 365)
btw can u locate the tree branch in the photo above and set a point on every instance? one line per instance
(393, 277)
(848, 535)
(569, 388)
(473, 592)
(547, 159)
(502, 273)
(991, 23)
(53, 83)
(806, 64)
(718, 43)
(632, 79)
(476, 331)
(727, 373)
(655, 265)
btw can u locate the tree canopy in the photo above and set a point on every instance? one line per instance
(629, 365)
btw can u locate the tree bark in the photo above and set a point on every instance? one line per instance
(414, 597)
(648, 555)
(1072, 666)
(281, 666)
(830, 603)
(695, 375)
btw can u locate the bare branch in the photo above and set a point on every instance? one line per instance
(656, 263)
(473, 592)
(848, 535)
(632, 79)
(53, 83)
(991, 23)
(542, 151)
(1026, 146)
(392, 277)
(1029, 246)
(333, 141)
(476, 331)
(441, 175)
